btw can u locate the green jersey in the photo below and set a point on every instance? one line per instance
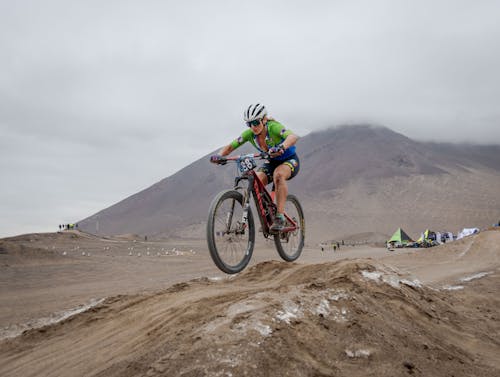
(276, 134)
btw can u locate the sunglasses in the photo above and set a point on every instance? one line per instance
(253, 123)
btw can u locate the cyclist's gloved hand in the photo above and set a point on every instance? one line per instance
(217, 159)
(277, 150)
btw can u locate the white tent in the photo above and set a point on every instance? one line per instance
(467, 232)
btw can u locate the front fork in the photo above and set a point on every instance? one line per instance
(246, 203)
(267, 203)
(244, 217)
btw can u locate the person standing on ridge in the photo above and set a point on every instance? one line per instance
(270, 136)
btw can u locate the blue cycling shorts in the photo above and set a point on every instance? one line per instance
(268, 168)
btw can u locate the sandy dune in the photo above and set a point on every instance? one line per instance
(361, 311)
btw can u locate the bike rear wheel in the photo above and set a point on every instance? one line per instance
(290, 244)
(230, 239)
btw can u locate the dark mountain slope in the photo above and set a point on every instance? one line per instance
(330, 160)
(334, 157)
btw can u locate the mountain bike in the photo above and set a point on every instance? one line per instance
(231, 228)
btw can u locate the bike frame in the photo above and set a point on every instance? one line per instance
(262, 198)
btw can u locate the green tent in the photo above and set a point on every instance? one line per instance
(400, 237)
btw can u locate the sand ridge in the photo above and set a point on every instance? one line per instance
(351, 316)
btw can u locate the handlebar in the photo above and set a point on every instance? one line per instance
(261, 155)
(224, 160)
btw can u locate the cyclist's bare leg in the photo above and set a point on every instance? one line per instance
(263, 177)
(281, 174)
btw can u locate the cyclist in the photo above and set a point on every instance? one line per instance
(268, 135)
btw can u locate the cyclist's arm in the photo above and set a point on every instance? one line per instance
(278, 131)
(242, 139)
(290, 141)
(226, 150)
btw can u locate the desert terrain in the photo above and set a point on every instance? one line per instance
(73, 304)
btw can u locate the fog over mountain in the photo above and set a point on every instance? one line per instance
(353, 179)
(99, 99)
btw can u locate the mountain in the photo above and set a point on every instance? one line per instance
(353, 179)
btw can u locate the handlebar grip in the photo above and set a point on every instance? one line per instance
(264, 155)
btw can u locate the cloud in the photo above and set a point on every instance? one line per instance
(129, 92)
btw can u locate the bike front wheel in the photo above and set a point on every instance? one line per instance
(290, 244)
(230, 236)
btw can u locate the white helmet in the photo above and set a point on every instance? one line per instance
(254, 112)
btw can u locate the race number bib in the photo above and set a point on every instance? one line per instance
(246, 164)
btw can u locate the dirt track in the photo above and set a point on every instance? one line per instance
(394, 315)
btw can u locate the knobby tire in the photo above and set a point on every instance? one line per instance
(224, 243)
(289, 249)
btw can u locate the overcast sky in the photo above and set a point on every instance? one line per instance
(101, 99)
